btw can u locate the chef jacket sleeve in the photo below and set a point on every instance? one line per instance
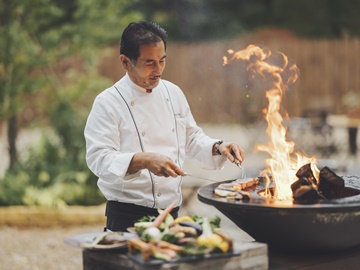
(103, 155)
(198, 145)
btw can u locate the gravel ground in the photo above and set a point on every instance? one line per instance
(43, 248)
(40, 249)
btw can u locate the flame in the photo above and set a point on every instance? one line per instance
(283, 163)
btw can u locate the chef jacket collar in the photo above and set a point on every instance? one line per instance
(133, 85)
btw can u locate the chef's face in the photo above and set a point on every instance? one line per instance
(147, 70)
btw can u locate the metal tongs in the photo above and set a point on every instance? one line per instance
(237, 163)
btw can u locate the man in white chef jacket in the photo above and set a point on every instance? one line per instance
(140, 130)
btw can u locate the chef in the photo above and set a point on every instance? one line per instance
(140, 131)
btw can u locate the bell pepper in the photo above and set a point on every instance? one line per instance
(210, 239)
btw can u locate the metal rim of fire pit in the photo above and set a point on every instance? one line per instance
(322, 227)
(206, 195)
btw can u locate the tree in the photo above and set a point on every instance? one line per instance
(26, 29)
(35, 35)
(37, 38)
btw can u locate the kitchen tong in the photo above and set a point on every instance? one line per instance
(237, 163)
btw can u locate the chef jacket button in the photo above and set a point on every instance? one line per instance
(159, 194)
(173, 130)
(176, 160)
(167, 99)
(132, 103)
(143, 134)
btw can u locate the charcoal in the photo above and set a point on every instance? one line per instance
(306, 172)
(307, 194)
(344, 192)
(330, 178)
(299, 183)
(330, 184)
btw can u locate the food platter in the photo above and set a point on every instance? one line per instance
(164, 239)
(85, 240)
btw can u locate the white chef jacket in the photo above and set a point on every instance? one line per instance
(125, 120)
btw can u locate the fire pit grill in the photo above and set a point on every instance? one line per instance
(326, 226)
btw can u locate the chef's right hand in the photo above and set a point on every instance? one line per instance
(158, 164)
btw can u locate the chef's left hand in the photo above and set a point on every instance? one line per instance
(232, 151)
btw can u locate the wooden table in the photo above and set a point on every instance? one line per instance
(351, 124)
(347, 260)
(248, 256)
(254, 256)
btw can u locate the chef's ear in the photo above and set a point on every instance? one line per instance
(125, 61)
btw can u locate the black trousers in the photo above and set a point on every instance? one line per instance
(120, 216)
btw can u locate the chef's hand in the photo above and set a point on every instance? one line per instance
(232, 151)
(158, 164)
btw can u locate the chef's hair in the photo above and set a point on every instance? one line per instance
(140, 33)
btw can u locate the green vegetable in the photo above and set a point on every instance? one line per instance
(161, 256)
(191, 249)
(140, 227)
(214, 221)
(147, 219)
(171, 237)
(143, 224)
(169, 220)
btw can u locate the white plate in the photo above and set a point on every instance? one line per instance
(85, 240)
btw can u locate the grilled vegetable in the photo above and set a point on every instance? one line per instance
(106, 238)
(167, 239)
(209, 238)
(144, 248)
(186, 230)
(227, 239)
(151, 234)
(183, 219)
(171, 237)
(214, 221)
(163, 214)
(194, 225)
(152, 231)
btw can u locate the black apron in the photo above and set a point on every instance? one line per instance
(120, 216)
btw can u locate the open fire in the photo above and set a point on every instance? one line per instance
(301, 208)
(283, 163)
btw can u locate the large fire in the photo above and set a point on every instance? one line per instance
(283, 162)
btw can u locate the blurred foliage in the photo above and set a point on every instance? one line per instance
(189, 20)
(38, 35)
(49, 178)
(54, 173)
